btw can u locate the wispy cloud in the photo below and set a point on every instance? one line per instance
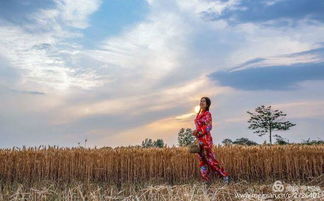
(38, 49)
(66, 13)
(278, 13)
(177, 98)
(275, 73)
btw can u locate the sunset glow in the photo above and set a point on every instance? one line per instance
(197, 109)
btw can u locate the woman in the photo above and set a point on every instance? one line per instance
(203, 122)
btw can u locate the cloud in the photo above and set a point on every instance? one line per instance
(271, 78)
(8, 74)
(144, 51)
(27, 92)
(39, 50)
(274, 13)
(262, 74)
(186, 116)
(68, 13)
(182, 96)
(43, 66)
(17, 11)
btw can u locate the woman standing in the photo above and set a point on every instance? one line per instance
(207, 160)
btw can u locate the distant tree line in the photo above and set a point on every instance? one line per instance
(151, 143)
(279, 141)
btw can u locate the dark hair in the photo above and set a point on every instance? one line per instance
(208, 102)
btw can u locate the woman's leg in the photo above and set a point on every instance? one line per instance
(203, 168)
(213, 163)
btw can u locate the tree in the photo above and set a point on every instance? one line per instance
(280, 140)
(185, 137)
(266, 120)
(311, 142)
(227, 141)
(244, 141)
(147, 143)
(150, 143)
(240, 141)
(158, 143)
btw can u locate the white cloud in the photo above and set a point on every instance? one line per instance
(39, 51)
(271, 42)
(67, 13)
(197, 6)
(76, 13)
(40, 61)
(151, 49)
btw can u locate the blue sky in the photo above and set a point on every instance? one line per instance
(117, 72)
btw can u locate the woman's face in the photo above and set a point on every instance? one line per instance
(203, 103)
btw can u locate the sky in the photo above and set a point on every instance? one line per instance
(115, 72)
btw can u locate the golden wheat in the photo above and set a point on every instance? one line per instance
(171, 165)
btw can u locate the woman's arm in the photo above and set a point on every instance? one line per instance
(207, 126)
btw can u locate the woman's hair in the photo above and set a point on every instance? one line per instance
(208, 102)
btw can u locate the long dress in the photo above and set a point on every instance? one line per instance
(207, 160)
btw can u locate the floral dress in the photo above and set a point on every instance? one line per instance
(207, 160)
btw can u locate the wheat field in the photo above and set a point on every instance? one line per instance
(171, 165)
(134, 173)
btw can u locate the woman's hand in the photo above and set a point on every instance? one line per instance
(194, 132)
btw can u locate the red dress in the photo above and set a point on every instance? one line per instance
(207, 160)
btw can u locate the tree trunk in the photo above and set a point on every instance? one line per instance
(270, 135)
